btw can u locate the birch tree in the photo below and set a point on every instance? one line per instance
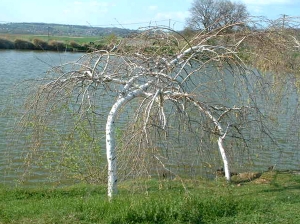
(159, 73)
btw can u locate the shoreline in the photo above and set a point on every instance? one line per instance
(50, 45)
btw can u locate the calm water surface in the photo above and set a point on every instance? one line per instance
(17, 66)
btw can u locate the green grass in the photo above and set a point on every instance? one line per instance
(67, 39)
(274, 198)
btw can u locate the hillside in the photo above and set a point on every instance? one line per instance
(60, 30)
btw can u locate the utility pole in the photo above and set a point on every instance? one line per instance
(283, 20)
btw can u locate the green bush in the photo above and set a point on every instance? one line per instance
(6, 44)
(23, 45)
(77, 47)
(41, 44)
(57, 45)
(74, 44)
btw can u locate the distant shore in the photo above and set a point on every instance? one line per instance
(70, 44)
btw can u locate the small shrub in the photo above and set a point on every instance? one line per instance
(24, 45)
(57, 45)
(77, 47)
(188, 32)
(6, 44)
(74, 44)
(41, 44)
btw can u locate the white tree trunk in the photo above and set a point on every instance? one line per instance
(221, 145)
(110, 148)
(220, 139)
(224, 158)
(111, 141)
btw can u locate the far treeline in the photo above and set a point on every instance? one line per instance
(52, 45)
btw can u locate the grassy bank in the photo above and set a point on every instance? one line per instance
(273, 198)
(53, 43)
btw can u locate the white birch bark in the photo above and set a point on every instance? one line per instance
(224, 158)
(220, 139)
(110, 137)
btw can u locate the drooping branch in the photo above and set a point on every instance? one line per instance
(173, 79)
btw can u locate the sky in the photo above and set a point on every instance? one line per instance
(131, 14)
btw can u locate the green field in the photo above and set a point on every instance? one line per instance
(67, 39)
(273, 198)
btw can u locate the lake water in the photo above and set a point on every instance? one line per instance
(17, 66)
